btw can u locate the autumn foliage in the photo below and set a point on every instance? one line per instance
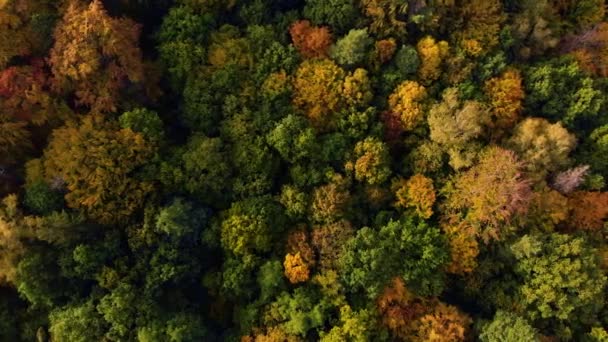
(311, 41)
(95, 55)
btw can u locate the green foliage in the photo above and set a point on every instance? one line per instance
(352, 48)
(405, 248)
(562, 280)
(558, 90)
(508, 327)
(143, 121)
(41, 199)
(77, 322)
(251, 225)
(182, 39)
(340, 15)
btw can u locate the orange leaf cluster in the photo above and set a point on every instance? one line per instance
(95, 55)
(296, 269)
(589, 209)
(311, 41)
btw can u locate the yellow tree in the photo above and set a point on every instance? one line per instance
(417, 193)
(95, 55)
(445, 323)
(318, 90)
(296, 270)
(506, 95)
(431, 53)
(406, 101)
(482, 21)
(96, 160)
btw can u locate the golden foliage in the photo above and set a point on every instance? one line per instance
(431, 54)
(445, 323)
(482, 23)
(96, 160)
(318, 90)
(399, 309)
(298, 241)
(506, 95)
(296, 270)
(406, 101)
(385, 16)
(94, 54)
(417, 193)
(463, 248)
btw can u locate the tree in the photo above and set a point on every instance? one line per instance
(406, 101)
(202, 169)
(558, 90)
(482, 20)
(77, 322)
(562, 281)
(328, 240)
(311, 41)
(94, 56)
(567, 181)
(144, 121)
(589, 210)
(96, 160)
(508, 327)
(455, 125)
(399, 308)
(352, 48)
(589, 49)
(371, 161)
(299, 312)
(330, 202)
(356, 326)
(464, 247)
(317, 90)
(443, 323)
(251, 225)
(506, 95)
(412, 250)
(385, 16)
(340, 15)
(431, 53)
(418, 193)
(181, 41)
(294, 139)
(544, 147)
(492, 192)
(296, 270)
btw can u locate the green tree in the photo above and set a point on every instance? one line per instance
(352, 48)
(558, 90)
(77, 322)
(340, 15)
(562, 281)
(412, 250)
(508, 327)
(250, 226)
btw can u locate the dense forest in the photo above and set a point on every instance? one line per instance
(303, 170)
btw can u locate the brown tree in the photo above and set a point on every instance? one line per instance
(95, 56)
(311, 41)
